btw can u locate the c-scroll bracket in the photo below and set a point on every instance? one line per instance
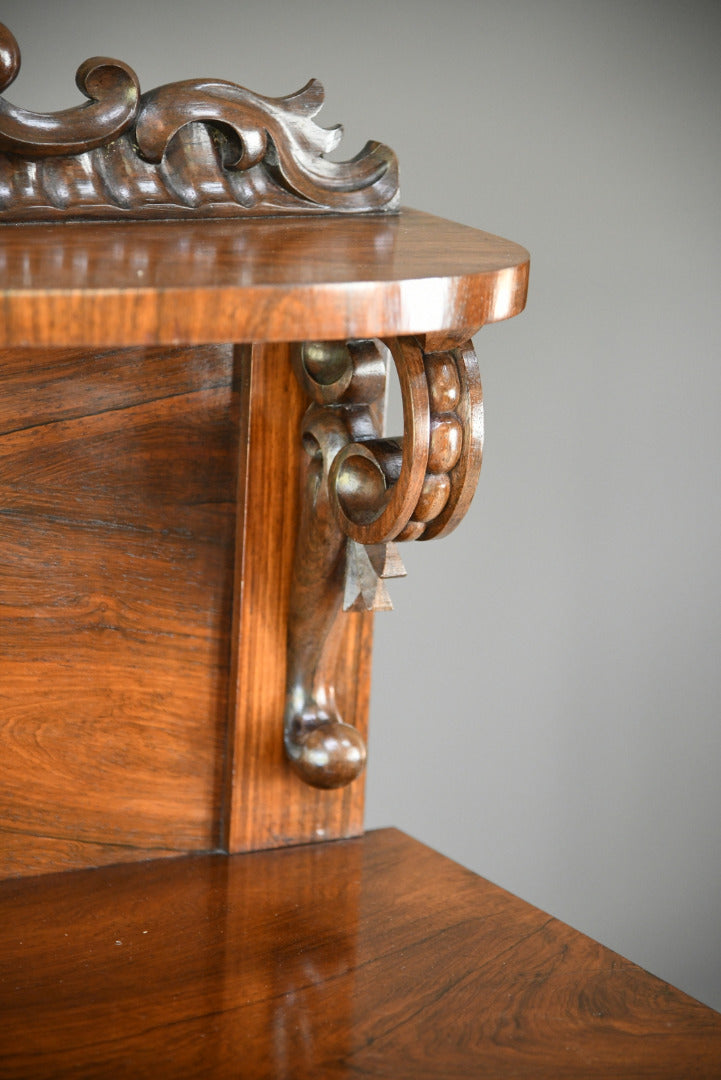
(362, 492)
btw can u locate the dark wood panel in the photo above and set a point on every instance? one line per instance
(370, 957)
(117, 487)
(23, 854)
(269, 805)
(60, 384)
(264, 280)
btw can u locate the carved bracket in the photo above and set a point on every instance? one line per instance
(198, 148)
(362, 492)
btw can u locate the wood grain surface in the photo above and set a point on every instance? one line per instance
(272, 280)
(149, 503)
(269, 805)
(372, 957)
(117, 492)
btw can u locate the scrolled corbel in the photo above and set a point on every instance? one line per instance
(427, 478)
(362, 492)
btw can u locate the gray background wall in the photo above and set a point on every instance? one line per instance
(547, 694)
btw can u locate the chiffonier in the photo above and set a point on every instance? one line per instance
(200, 511)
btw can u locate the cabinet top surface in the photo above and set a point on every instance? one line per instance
(271, 279)
(373, 957)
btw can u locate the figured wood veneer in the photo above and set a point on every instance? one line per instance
(117, 520)
(138, 715)
(370, 957)
(282, 280)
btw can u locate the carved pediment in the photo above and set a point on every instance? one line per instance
(197, 148)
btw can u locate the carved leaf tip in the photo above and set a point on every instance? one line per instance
(308, 101)
(366, 568)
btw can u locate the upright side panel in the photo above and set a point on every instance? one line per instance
(268, 805)
(117, 518)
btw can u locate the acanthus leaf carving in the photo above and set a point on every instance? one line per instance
(190, 148)
(113, 95)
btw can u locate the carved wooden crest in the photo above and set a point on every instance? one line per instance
(197, 148)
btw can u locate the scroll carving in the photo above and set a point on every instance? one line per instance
(203, 148)
(362, 493)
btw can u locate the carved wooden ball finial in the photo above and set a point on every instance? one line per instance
(328, 755)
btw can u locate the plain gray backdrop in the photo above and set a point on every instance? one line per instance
(547, 694)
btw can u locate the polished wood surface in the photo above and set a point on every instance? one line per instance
(113, 94)
(117, 511)
(268, 804)
(369, 957)
(155, 517)
(143, 657)
(268, 280)
(191, 149)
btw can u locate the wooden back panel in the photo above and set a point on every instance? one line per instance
(137, 718)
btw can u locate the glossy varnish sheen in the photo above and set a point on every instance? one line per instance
(149, 492)
(373, 957)
(272, 280)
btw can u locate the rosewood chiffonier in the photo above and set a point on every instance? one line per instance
(200, 510)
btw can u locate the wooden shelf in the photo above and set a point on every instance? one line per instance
(373, 957)
(270, 280)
